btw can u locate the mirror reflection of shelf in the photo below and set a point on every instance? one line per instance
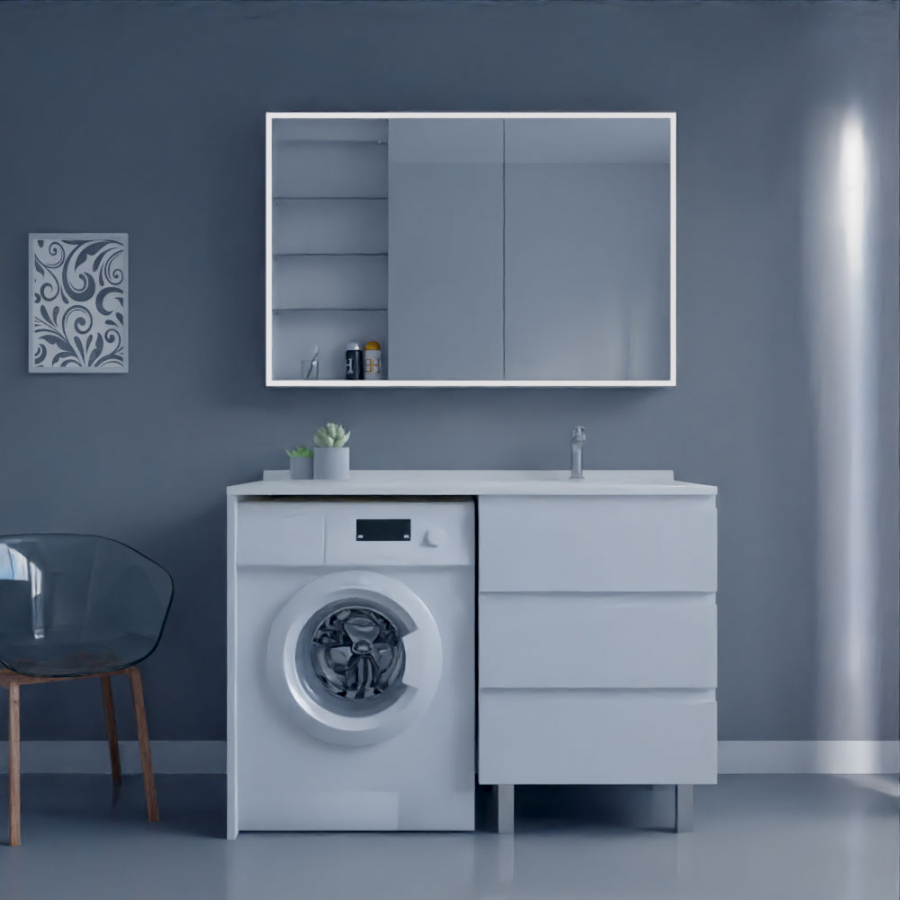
(344, 226)
(296, 331)
(332, 169)
(329, 241)
(330, 281)
(332, 130)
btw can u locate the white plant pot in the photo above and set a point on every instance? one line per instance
(331, 463)
(301, 467)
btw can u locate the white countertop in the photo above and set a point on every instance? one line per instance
(466, 482)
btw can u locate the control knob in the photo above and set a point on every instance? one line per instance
(434, 537)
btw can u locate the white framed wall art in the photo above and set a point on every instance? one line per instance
(78, 303)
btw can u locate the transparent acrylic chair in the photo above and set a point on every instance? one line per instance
(78, 606)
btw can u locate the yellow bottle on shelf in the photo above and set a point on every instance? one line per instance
(372, 365)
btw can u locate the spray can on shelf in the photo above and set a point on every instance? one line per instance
(372, 361)
(353, 370)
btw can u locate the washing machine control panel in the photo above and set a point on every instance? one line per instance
(365, 533)
(383, 529)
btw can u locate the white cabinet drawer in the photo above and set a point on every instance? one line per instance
(611, 543)
(588, 640)
(596, 737)
(279, 534)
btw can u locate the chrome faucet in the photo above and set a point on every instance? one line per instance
(578, 438)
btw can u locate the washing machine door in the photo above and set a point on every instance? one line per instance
(355, 657)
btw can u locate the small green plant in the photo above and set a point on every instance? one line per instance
(300, 452)
(331, 435)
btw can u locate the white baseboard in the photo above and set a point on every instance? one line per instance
(208, 757)
(92, 757)
(809, 757)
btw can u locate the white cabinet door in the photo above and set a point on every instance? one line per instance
(598, 544)
(594, 640)
(272, 533)
(445, 265)
(596, 737)
(588, 249)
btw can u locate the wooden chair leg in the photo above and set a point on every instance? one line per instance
(109, 711)
(15, 767)
(140, 716)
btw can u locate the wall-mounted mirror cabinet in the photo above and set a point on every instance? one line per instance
(475, 249)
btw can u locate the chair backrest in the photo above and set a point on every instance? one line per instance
(66, 590)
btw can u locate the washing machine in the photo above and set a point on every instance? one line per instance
(351, 665)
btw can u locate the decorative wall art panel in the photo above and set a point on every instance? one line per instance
(78, 303)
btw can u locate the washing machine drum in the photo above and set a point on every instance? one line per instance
(355, 656)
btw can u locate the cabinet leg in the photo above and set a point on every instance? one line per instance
(506, 808)
(684, 807)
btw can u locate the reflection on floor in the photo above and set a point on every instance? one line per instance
(755, 837)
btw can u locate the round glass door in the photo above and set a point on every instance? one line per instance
(356, 656)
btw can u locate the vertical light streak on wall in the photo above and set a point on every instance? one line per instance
(841, 307)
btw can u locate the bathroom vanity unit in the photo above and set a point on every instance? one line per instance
(477, 249)
(596, 616)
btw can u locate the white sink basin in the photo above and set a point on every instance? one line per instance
(466, 482)
(596, 476)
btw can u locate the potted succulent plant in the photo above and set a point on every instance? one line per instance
(332, 456)
(301, 462)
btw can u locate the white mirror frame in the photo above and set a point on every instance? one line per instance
(271, 381)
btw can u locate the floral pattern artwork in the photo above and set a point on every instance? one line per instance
(78, 303)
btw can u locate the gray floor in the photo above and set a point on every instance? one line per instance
(755, 837)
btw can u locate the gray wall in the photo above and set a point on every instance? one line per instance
(148, 118)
